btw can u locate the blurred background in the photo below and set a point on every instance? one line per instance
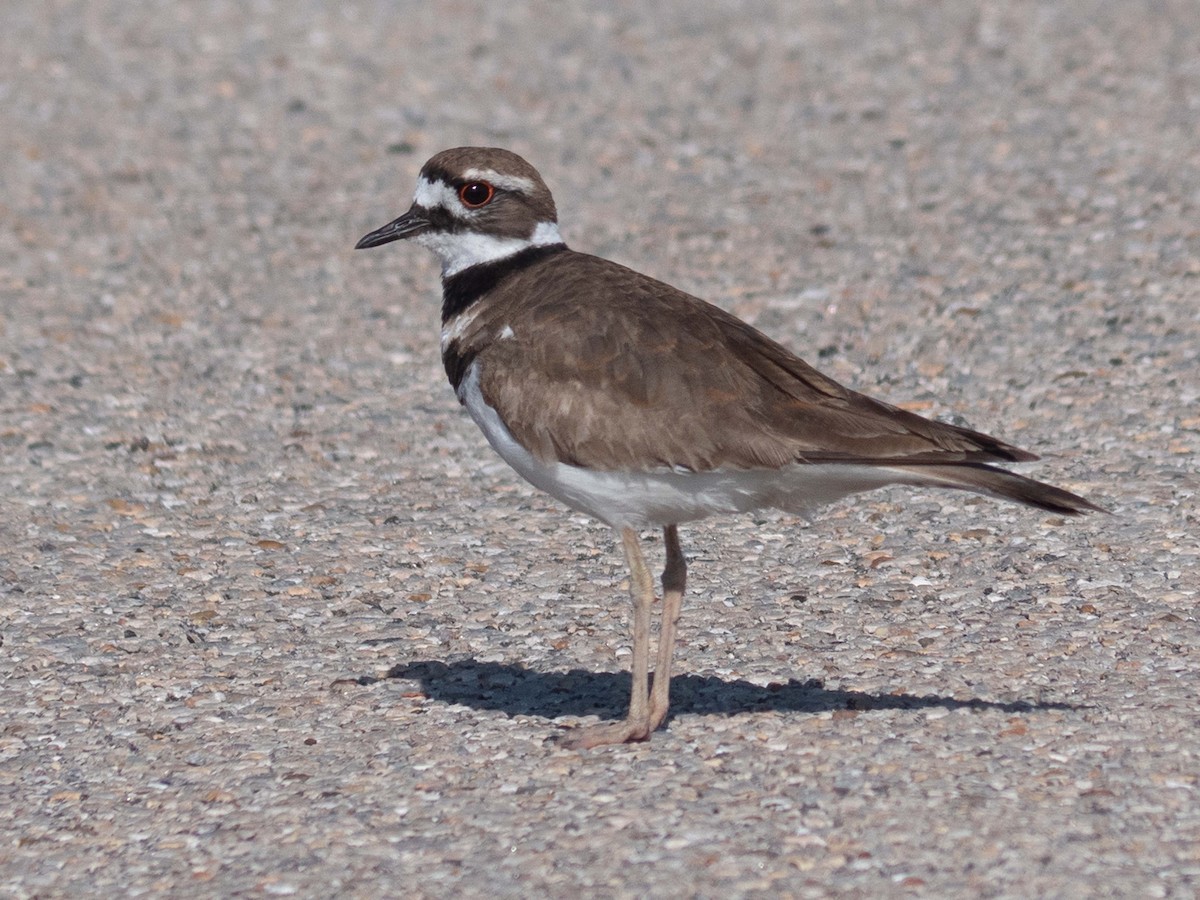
(236, 492)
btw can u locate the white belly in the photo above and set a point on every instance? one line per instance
(643, 499)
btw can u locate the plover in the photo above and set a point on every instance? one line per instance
(643, 406)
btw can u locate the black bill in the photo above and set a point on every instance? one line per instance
(412, 222)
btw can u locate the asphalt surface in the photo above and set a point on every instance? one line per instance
(275, 621)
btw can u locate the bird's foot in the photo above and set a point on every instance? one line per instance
(627, 731)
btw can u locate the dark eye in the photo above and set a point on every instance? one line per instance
(475, 194)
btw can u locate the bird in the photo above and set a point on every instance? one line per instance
(645, 407)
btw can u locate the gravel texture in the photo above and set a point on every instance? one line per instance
(276, 621)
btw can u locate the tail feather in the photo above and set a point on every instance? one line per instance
(984, 479)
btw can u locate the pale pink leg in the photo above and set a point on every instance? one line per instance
(636, 726)
(674, 578)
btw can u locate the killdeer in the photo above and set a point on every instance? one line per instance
(643, 406)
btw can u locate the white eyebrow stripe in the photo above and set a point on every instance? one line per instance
(517, 183)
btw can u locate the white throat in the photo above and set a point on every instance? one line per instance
(463, 249)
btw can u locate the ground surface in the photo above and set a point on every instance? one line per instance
(276, 621)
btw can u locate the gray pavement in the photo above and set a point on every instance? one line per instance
(274, 619)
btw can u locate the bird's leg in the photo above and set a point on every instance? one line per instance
(674, 577)
(636, 726)
(641, 589)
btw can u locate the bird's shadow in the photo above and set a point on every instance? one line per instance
(516, 690)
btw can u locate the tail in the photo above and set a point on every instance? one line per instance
(984, 479)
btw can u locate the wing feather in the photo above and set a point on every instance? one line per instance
(609, 390)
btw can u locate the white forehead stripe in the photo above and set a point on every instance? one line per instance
(432, 194)
(516, 183)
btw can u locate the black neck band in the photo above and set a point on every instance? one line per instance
(463, 288)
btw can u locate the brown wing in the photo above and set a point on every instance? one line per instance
(649, 377)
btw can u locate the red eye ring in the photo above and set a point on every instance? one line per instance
(475, 194)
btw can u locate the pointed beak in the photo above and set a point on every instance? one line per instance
(412, 222)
